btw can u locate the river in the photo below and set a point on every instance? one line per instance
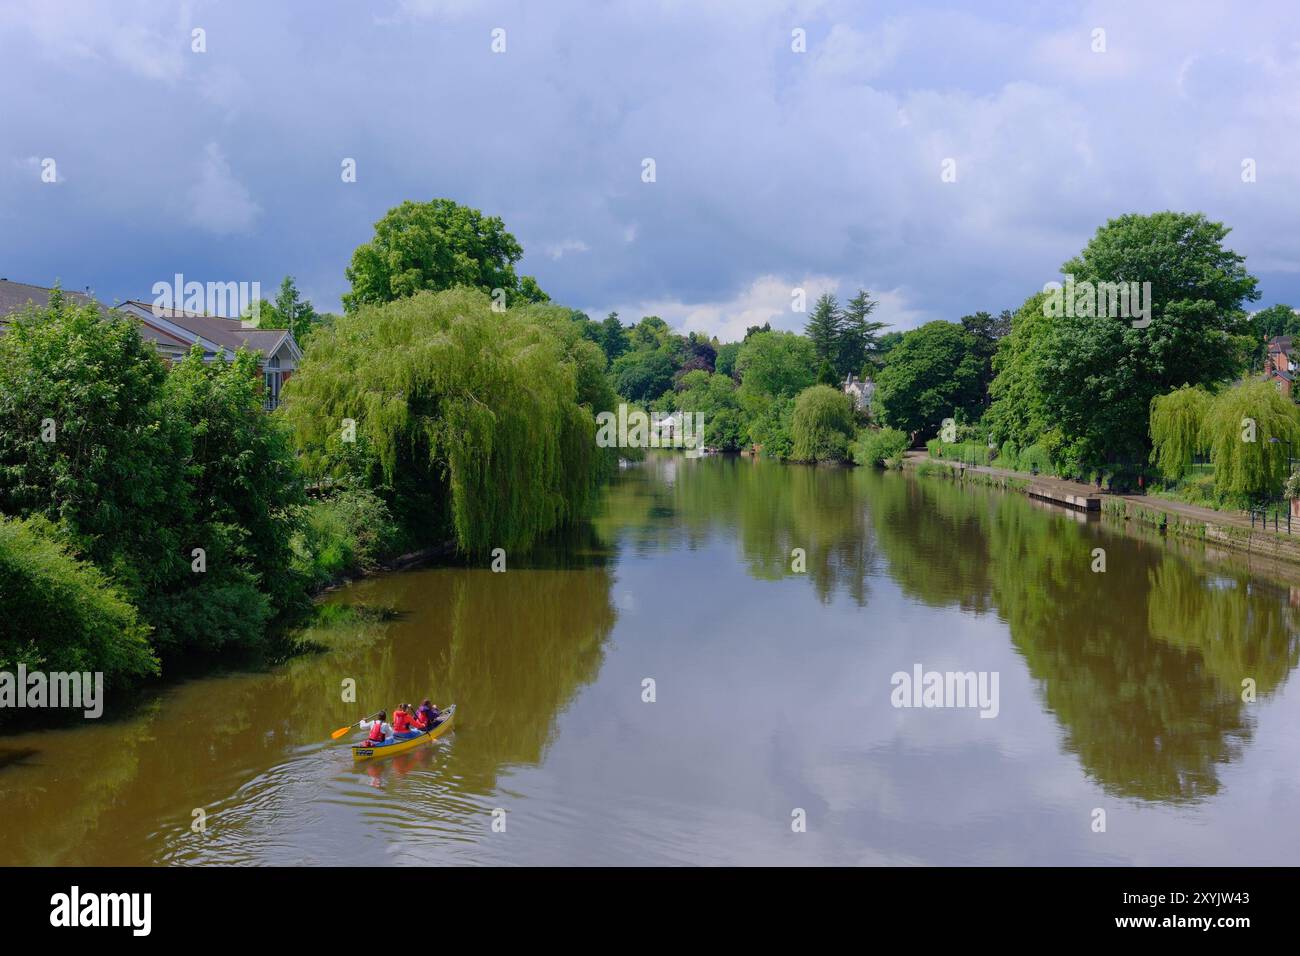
(772, 736)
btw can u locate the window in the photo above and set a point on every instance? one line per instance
(271, 379)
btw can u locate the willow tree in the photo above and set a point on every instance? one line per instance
(467, 420)
(822, 424)
(1250, 430)
(1176, 429)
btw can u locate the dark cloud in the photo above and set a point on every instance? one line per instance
(774, 168)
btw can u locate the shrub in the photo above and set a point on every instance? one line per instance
(347, 534)
(879, 446)
(58, 613)
(1035, 456)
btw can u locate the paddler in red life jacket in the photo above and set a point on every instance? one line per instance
(379, 729)
(402, 719)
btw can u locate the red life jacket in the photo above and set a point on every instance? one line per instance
(401, 721)
(377, 732)
(421, 720)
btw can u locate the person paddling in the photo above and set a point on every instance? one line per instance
(379, 729)
(427, 716)
(402, 719)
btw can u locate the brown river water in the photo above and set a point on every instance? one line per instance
(1118, 692)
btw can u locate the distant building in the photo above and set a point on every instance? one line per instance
(861, 392)
(174, 331)
(1280, 366)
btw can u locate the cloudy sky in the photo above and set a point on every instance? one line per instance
(774, 168)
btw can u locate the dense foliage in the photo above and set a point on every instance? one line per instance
(1250, 430)
(1177, 423)
(62, 614)
(177, 487)
(932, 374)
(467, 420)
(437, 245)
(879, 446)
(1081, 384)
(821, 425)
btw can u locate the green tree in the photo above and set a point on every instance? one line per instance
(715, 397)
(725, 360)
(776, 364)
(822, 425)
(467, 420)
(933, 373)
(1275, 320)
(83, 442)
(1177, 423)
(244, 479)
(644, 375)
(860, 337)
(289, 311)
(1098, 375)
(825, 330)
(1247, 429)
(985, 331)
(62, 614)
(613, 338)
(437, 245)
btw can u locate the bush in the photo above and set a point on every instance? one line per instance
(1035, 456)
(1008, 457)
(347, 534)
(61, 614)
(879, 446)
(968, 451)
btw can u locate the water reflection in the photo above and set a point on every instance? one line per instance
(774, 693)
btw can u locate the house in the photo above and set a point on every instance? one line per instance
(174, 331)
(1280, 366)
(861, 392)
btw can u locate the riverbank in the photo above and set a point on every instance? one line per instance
(1175, 519)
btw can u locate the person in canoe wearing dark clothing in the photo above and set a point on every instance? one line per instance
(426, 718)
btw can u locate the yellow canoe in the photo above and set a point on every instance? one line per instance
(397, 746)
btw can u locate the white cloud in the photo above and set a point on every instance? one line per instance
(768, 299)
(558, 249)
(218, 202)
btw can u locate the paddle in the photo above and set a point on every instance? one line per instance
(343, 730)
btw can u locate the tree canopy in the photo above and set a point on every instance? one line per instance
(436, 245)
(933, 373)
(459, 411)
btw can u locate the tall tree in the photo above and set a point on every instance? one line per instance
(825, 329)
(289, 311)
(613, 338)
(436, 245)
(933, 373)
(985, 330)
(860, 337)
(1093, 378)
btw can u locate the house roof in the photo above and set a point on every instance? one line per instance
(217, 330)
(210, 330)
(1280, 343)
(15, 296)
